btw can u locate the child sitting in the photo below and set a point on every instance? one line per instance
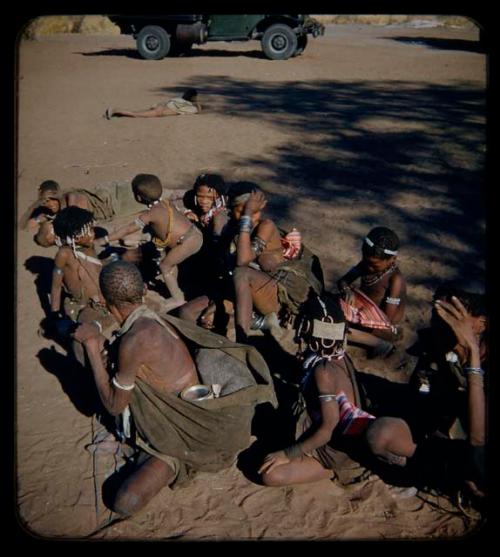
(206, 203)
(379, 305)
(76, 269)
(174, 237)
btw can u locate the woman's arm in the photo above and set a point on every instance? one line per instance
(460, 321)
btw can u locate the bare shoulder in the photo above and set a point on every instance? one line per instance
(397, 279)
(63, 256)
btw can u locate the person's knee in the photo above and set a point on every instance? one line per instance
(127, 502)
(276, 477)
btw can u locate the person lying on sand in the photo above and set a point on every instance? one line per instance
(186, 104)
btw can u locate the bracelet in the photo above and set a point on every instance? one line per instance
(293, 451)
(118, 385)
(106, 240)
(99, 326)
(245, 223)
(474, 371)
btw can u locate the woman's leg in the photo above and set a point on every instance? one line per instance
(299, 471)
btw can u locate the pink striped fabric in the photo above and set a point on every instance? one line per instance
(364, 311)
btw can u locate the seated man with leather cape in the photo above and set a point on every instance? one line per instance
(143, 375)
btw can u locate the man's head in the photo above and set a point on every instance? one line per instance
(321, 326)
(147, 188)
(121, 284)
(380, 249)
(208, 188)
(190, 95)
(49, 194)
(474, 301)
(74, 225)
(238, 194)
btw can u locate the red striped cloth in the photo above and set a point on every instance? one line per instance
(352, 420)
(364, 311)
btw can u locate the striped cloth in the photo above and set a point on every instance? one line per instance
(363, 311)
(353, 420)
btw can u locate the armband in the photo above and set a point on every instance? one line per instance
(99, 326)
(245, 223)
(120, 386)
(474, 371)
(58, 271)
(393, 301)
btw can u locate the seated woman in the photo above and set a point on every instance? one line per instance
(334, 418)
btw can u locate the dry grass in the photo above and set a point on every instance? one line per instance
(49, 25)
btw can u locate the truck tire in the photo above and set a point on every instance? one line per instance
(153, 42)
(301, 45)
(279, 42)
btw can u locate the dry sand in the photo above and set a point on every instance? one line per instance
(369, 126)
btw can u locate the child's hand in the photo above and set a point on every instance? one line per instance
(256, 202)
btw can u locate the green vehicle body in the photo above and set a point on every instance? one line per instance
(282, 36)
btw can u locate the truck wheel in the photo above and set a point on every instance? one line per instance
(301, 45)
(153, 42)
(279, 42)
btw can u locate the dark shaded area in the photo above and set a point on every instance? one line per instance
(127, 52)
(443, 44)
(42, 268)
(193, 53)
(372, 146)
(76, 382)
(273, 427)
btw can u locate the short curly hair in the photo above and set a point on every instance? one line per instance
(148, 186)
(121, 283)
(380, 240)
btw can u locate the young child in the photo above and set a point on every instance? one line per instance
(76, 270)
(187, 104)
(375, 310)
(174, 237)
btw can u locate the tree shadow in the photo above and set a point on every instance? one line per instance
(76, 381)
(406, 155)
(42, 268)
(443, 44)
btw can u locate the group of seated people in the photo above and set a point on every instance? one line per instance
(228, 274)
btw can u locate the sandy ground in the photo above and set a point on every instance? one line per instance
(370, 126)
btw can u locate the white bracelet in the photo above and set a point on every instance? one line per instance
(99, 326)
(120, 386)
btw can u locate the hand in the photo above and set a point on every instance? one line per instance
(346, 292)
(193, 217)
(87, 334)
(460, 321)
(255, 203)
(272, 460)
